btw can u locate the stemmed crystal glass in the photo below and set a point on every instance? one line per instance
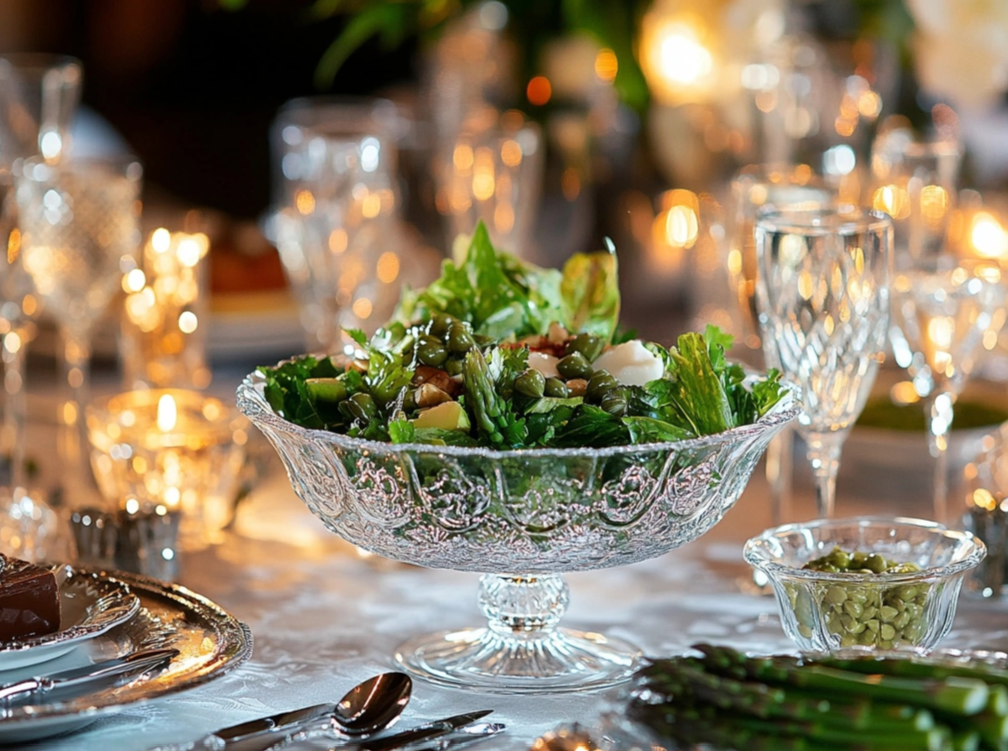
(941, 318)
(756, 188)
(943, 307)
(80, 234)
(823, 296)
(38, 98)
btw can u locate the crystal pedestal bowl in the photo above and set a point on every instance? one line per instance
(520, 518)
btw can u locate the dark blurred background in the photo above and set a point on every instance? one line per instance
(192, 86)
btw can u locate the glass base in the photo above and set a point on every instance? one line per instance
(516, 663)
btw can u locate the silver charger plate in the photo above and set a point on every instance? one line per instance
(211, 642)
(90, 606)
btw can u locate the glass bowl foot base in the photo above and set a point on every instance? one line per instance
(515, 663)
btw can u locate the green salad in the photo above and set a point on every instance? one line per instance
(504, 354)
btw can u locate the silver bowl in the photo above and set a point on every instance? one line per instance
(521, 518)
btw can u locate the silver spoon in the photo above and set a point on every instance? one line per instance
(374, 704)
(366, 708)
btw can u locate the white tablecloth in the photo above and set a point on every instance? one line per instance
(323, 618)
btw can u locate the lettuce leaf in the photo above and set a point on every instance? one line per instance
(589, 293)
(503, 297)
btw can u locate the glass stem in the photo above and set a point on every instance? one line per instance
(76, 372)
(939, 415)
(824, 456)
(15, 417)
(779, 471)
(523, 607)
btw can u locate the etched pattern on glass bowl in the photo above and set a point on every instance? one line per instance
(520, 518)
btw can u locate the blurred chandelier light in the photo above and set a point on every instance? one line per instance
(676, 55)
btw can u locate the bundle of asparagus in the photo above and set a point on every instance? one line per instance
(721, 697)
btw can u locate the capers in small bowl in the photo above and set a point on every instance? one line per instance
(867, 583)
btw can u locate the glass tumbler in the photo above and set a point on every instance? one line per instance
(492, 173)
(336, 215)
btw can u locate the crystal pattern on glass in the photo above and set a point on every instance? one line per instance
(824, 307)
(521, 518)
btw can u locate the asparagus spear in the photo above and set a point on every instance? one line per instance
(953, 695)
(787, 704)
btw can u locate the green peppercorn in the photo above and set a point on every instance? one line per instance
(599, 385)
(574, 365)
(460, 340)
(589, 345)
(531, 383)
(431, 351)
(862, 612)
(361, 407)
(614, 403)
(556, 388)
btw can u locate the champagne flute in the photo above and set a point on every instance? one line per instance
(823, 296)
(80, 234)
(38, 98)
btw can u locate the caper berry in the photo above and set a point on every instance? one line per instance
(452, 367)
(460, 340)
(531, 383)
(614, 403)
(431, 351)
(574, 365)
(361, 407)
(442, 324)
(555, 388)
(589, 345)
(599, 385)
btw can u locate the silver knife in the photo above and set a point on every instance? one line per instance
(423, 732)
(463, 736)
(97, 673)
(318, 714)
(301, 722)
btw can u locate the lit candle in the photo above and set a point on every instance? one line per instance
(163, 339)
(170, 450)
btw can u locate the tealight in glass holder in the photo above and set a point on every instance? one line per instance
(163, 341)
(167, 452)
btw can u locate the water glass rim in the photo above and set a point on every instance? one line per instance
(128, 165)
(818, 222)
(342, 117)
(38, 64)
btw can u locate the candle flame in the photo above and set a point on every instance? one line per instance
(167, 413)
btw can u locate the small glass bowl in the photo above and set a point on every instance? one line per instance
(832, 612)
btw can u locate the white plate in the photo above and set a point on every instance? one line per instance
(90, 606)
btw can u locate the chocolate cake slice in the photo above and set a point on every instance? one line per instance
(29, 600)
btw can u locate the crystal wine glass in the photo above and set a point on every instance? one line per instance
(80, 234)
(943, 307)
(38, 98)
(756, 188)
(941, 318)
(823, 295)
